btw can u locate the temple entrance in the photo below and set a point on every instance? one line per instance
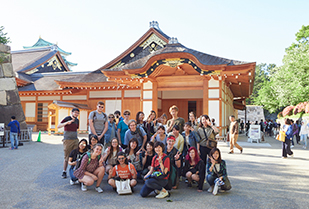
(186, 101)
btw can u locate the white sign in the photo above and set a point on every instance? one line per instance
(1, 129)
(254, 132)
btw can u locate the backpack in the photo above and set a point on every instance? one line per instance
(79, 160)
(295, 129)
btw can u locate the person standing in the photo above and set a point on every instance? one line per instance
(70, 140)
(286, 145)
(15, 130)
(175, 120)
(247, 127)
(98, 124)
(234, 135)
(111, 132)
(122, 127)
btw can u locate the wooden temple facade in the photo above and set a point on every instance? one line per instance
(155, 73)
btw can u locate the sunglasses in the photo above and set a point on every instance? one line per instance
(101, 106)
(126, 114)
(121, 158)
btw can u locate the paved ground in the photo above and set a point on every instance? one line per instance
(30, 178)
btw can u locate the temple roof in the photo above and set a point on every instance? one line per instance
(42, 43)
(205, 59)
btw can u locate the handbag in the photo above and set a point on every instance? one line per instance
(281, 136)
(210, 143)
(123, 186)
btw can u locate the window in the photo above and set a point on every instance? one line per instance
(42, 112)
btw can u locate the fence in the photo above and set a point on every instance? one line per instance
(25, 136)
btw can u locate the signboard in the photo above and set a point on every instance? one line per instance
(254, 132)
(1, 129)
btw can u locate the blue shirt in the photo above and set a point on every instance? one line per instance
(15, 128)
(111, 132)
(136, 135)
(123, 128)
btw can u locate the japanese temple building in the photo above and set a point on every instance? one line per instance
(155, 73)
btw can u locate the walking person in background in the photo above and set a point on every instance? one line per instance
(247, 127)
(288, 130)
(242, 125)
(15, 130)
(304, 130)
(234, 135)
(98, 124)
(70, 140)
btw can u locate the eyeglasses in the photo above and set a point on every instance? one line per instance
(101, 106)
(126, 114)
(121, 158)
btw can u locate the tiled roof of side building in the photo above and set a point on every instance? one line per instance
(23, 60)
(92, 77)
(204, 58)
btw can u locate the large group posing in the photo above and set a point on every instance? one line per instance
(156, 151)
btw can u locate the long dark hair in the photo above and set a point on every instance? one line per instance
(112, 149)
(129, 146)
(213, 151)
(137, 117)
(206, 117)
(85, 148)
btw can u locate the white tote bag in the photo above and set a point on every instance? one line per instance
(123, 187)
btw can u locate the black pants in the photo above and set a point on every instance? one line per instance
(204, 151)
(286, 149)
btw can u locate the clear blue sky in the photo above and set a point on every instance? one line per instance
(96, 31)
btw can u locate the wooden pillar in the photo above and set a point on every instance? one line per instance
(142, 96)
(122, 101)
(155, 96)
(56, 120)
(220, 106)
(205, 96)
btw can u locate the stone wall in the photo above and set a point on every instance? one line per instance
(254, 113)
(9, 98)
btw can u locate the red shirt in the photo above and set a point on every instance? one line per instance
(166, 163)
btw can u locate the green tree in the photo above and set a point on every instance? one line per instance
(289, 83)
(262, 74)
(3, 38)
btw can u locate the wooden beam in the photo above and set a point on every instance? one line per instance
(205, 97)
(155, 96)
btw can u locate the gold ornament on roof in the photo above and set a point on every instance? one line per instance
(119, 64)
(54, 62)
(153, 38)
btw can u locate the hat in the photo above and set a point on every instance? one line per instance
(171, 137)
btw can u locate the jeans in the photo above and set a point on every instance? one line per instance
(71, 171)
(303, 138)
(14, 140)
(211, 179)
(151, 185)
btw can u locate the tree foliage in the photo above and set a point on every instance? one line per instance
(289, 83)
(3, 38)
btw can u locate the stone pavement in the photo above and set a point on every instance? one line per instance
(30, 178)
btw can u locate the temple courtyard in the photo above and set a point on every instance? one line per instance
(260, 178)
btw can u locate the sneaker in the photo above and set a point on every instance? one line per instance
(157, 191)
(241, 150)
(292, 155)
(76, 182)
(292, 146)
(211, 188)
(98, 189)
(64, 175)
(230, 152)
(162, 195)
(304, 147)
(72, 182)
(11, 148)
(215, 190)
(221, 191)
(83, 187)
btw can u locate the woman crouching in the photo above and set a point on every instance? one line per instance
(123, 170)
(91, 169)
(157, 177)
(216, 172)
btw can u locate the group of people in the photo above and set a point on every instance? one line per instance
(157, 150)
